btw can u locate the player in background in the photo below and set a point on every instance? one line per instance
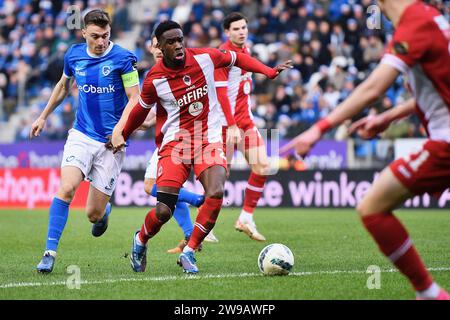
(107, 80)
(188, 133)
(234, 86)
(419, 49)
(181, 213)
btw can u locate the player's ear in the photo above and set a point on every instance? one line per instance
(83, 32)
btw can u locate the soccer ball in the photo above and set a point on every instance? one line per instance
(275, 259)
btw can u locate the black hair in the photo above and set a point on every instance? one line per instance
(97, 17)
(232, 17)
(165, 26)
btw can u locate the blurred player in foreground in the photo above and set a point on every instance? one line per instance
(107, 80)
(234, 86)
(419, 49)
(188, 133)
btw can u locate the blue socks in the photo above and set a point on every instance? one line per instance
(183, 218)
(58, 213)
(185, 196)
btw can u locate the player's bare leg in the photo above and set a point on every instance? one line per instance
(375, 210)
(213, 181)
(260, 168)
(98, 209)
(71, 178)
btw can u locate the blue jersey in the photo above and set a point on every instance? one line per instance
(101, 82)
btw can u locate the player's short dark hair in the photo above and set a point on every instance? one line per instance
(165, 26)
(232, 17)
(97, 17)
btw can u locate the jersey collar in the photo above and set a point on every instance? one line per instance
(111, 44)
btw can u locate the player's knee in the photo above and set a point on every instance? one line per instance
(166, 205)
(66, 191)
(215, 192)
(261, 169)
(148, 185)
(163, 213)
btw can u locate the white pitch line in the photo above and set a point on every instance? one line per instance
(193, 277)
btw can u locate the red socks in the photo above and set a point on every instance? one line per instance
(393, 240)
(253, 191)
(150, 227)
(206, 219)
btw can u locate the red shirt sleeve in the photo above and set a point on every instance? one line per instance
(410, 42)
(148, 96)
(222, 58)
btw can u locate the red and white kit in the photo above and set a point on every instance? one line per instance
(188, 129)
(238, 84)
(420, 49)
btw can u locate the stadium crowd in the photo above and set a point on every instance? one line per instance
(329, 42)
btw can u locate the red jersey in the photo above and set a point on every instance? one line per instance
(186, 98)
(239, 83)
(420, 49)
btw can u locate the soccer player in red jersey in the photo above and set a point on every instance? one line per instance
(188, 133)
(420, 49)
(233, 91)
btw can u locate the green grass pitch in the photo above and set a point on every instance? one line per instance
(331, 248)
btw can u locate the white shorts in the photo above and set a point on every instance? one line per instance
(99, 165)
(150, 172)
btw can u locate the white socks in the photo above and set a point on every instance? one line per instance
(188, 249)
(246, 217)
(431, 293)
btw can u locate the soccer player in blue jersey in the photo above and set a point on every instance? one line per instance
(107, 81)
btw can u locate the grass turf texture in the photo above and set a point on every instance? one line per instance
(331, 248)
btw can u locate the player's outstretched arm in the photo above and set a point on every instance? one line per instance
(368, 127)
(367, 92)
(248, 63)
(58, 94)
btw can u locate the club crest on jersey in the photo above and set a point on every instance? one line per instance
(195, 108)
(106, 70)
(187, 80)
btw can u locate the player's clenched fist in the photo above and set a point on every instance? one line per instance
(117, 141)
(37, 127)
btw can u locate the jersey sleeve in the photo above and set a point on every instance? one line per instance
(67, 71)
(222, 58)
(408, 46)
(221, 77)
(128, 72)
(148, 97)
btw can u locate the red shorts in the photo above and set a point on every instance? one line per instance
(174, 168)
(251, 138)
(426, 171)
